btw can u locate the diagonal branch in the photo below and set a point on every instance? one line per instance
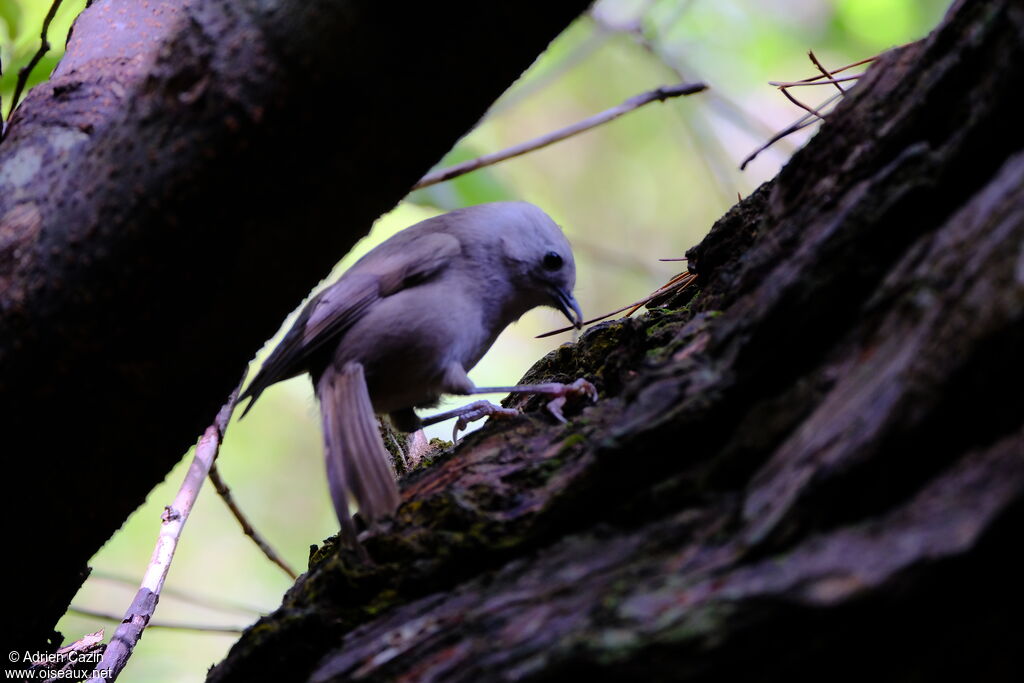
(657, 95)
(175, 515)
(802, 122)
(225, 493)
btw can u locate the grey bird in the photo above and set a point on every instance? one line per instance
(406, 323)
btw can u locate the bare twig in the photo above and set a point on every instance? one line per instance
(824, 72)
(841, 69)
(808, 109)
(96, 614)
(225, 493)
(802, 122)
(67, 658)
(820, 80)
(823, 78)
(44, 47)
(633, 103)
(677, 283)
(204, 601)
(175, 515)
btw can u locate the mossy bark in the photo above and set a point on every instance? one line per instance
(812, 468)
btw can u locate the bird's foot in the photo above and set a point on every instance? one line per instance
(478, 410)
(560, 393)
(470, 413)
(581, 388)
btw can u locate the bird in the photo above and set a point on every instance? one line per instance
(406, 323)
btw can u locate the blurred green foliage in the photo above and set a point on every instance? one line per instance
(646, 186)
(20, 24)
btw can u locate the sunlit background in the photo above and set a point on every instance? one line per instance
(644, 187)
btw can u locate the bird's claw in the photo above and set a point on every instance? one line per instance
(476, 411)
(561, 392)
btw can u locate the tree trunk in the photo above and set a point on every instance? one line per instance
(814, 467)
(169, 195)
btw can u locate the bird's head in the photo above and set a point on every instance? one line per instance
(538, 258)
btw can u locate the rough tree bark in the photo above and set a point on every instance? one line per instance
(182, 181)
(814, 467)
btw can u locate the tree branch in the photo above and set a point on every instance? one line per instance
(138, 616)
(225, 494)
(657, 95)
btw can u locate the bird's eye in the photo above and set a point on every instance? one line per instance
(552, 260)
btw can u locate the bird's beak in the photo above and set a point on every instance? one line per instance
(567, 305)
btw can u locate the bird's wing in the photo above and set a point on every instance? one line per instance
(384, 272)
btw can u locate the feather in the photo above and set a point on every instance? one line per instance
(357, 462)
(330, 314)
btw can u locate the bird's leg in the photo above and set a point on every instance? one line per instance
(456, 381)
(469, 413)
(559, 392)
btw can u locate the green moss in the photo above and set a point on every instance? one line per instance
(383, 601)
(573, 440)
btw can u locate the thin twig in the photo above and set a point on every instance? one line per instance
(826, 76)
(175, 515)
(824, 72)
(44, 47)
(225, 493)
(802, 122)
(841, 69)
(633, 103)
(821, 80)
(678, 282)
(67, 658)
(206, 602)
(96, 614)
(808, 109)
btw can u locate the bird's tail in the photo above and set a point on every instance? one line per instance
(356, 460)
